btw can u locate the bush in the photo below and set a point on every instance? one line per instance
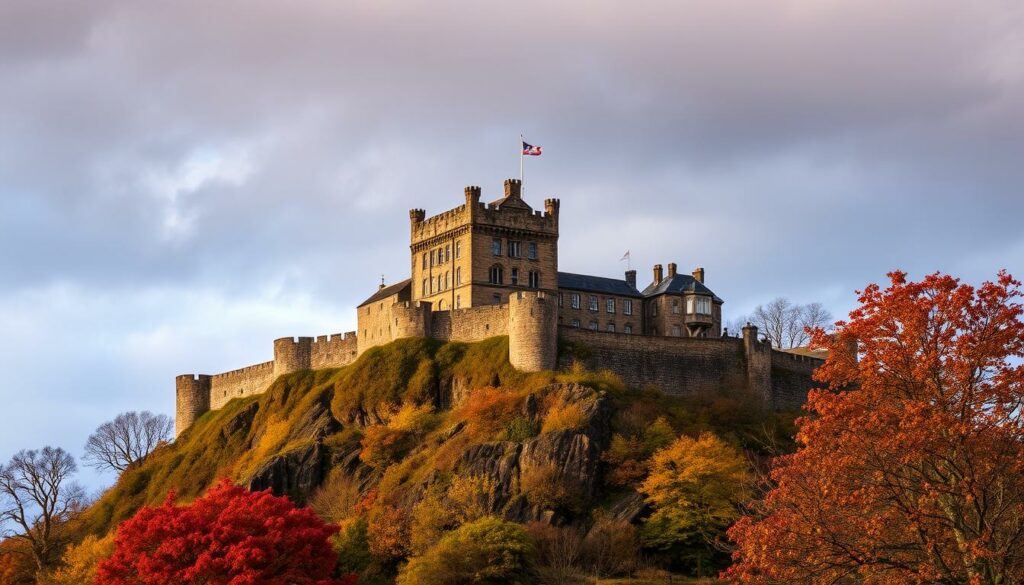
(383, 446)
(335, 500)
(81, 561)
(487, 551)
(488, 411)
(387, 532)
(521, 429)
(559, 550)
(547, 487)
(611, 547)
(566, 417)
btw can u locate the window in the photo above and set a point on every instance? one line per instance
(703, 306)
(458, 250)
(514, 276)
(593, 325)
(610, 328)
(424, 293)
(574, 300)
(560, 300)
(675, 307)
(593, 303)
(458, 301)
(431, 286)
(425, 260)
(534, 279)
(447, 279)
(440, 282)
(497, 275)
(576, 323)
(496, 299)
(609, 305)
(496, 246)
(531, 251)
(627, 329)
(447, 253)
(513, 249)
(654, 309)
(458, 276)
(627, 307)
(689, 305)
(675, 331)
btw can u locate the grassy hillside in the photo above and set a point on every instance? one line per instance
(390, 431)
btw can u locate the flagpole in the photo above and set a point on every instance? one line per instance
(521, 157)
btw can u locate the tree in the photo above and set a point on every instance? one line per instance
(37, 499)
(910, 469)
(696, 487)
(81, 561)
(230, 535)
(786, 324)
(127, 439)
(487, 551)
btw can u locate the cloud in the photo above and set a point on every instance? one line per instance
(183, 181)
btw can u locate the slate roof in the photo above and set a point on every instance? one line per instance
(387, 291)
(678, 284)
(512, 202)
(598, 284)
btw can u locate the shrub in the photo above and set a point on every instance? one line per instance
(382, 445)
(547, 487)
(415, 419)
(488, 411)
(565, 417)
(559, 550)
(387, 532)
(487, 551)
(228, 535)
(611, 546)
(470, 497)
(336, 498)
(81, 561)
(521, 429)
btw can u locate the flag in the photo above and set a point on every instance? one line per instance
(624, 256)
(531, 150)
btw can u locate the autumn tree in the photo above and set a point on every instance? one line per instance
(37, 498)
(127, 439)
(80, 561)
(910, 469)
(696, 487)
(230, 535)
(486, 551)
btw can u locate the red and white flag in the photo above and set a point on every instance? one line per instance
(531, 150)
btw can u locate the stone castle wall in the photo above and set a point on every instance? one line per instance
(472, 324)
(197, 394)
(692, 365)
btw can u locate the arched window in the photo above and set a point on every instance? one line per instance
(458, 274)
(496, 275)
(440, 305)
(458, 249)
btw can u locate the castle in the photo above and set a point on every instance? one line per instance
(487, 269)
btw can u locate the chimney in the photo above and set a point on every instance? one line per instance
(472, 196)
(698, 275)
(671, 269)
(513, 188)
(631, 278)
(657, 273)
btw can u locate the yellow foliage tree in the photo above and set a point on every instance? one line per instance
(80, 561)
(696, 487)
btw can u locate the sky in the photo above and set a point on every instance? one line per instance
(182, 182)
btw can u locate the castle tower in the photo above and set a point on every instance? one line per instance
(192, 400)
(291, 355)
(480, 253)
(532, 331)
(759, 363)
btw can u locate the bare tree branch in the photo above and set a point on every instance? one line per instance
(127, 439)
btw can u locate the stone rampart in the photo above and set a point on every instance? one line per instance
(241, 382)
(472, 324)
(692, 365)
(332, 351)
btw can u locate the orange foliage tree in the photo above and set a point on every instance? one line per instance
(910, 469)
(229, 536)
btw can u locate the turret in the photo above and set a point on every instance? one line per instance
(514, 188)
(472, 197)
(417, 215)
(292, 355)
(532, 331)
(759, 363)
(551, 207)
(192, 400)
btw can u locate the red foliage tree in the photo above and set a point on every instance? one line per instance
(230, 536)
(911, 469)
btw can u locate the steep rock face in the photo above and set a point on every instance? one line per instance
(570, 456)
(295, 473)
